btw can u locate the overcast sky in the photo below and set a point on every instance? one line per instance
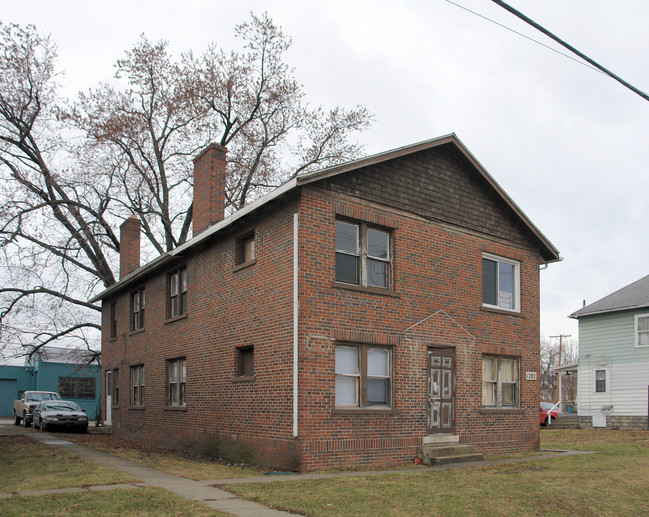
(567, 143)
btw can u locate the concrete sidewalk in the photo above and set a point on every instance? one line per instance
(199, 491)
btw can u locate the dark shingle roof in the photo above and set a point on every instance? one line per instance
(633, 296)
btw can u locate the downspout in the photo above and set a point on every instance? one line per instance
(296, 307)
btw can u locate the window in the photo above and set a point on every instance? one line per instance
(363, 376)
(137, 309)
(362, 255)
(115, 399)
(246, 361)
(499, 381)
(246, 248)
(500, 283)
(77, 387)
(642, 330)
(600, 381)
(177, 304)
(176, 382)
(137, 385)
(113, 320)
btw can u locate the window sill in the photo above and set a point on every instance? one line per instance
(133, 332)
(501, 411)
(379, 411)
(363, 289)
(182, 409)
(244, 265)
(501, 311)
(173, 319)
(111, 339)
(244, 378)
(137, 408)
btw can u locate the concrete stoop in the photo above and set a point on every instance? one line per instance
(565, 422)
(445, 450)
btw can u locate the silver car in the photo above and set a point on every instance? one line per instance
(59, 414)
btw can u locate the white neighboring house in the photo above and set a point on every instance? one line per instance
(614, 358)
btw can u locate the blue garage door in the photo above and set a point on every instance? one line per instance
(8, 393)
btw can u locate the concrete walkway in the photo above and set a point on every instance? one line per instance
(199, 491)
(207, 493)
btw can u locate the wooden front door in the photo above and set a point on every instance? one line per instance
(441, 390)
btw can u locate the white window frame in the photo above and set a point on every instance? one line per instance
(606, 380)
(636, 329)
(362, 375)
(517, 283)
(497, 383)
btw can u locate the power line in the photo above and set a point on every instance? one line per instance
(570, 48)
(568, 56)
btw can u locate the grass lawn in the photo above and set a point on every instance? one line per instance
(611, 482)
(196, 468)
(136, 501)
(29, 465)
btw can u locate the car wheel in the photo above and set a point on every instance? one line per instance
(16, 419)
(25, 421)
(83, 429)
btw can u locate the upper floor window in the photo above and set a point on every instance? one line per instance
(113, 320)
(600, 381)
(245, 366)
(499, 381)
(177, 304)
(363, 376)
(363, 255)
(642, 330)
(500, 283)
(246, 248)
(176, 382)
(137, 309)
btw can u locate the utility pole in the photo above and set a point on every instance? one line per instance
(560, 336)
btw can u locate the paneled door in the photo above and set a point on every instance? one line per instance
(441, 390)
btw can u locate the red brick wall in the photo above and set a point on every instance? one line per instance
(436, 300)
(437, 271)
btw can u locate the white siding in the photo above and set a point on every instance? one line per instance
(607, 342)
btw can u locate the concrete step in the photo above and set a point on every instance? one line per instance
(437, 454)
(460, 458)
(565, 422)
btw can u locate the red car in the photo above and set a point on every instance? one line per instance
(544, 409)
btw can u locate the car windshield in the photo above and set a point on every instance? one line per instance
(547, 405)
(60, 406)
(43, 396)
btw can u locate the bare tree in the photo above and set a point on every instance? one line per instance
(550, 361)
(72, 172)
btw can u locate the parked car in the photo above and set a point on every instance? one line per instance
(544, 409)
(61, 414)
(24, 406)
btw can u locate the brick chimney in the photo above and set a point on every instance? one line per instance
(209, 187)
(129, 246)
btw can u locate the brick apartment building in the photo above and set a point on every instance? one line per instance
(344, 319)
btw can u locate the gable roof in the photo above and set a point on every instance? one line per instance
(548, 252)
(633, 296)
